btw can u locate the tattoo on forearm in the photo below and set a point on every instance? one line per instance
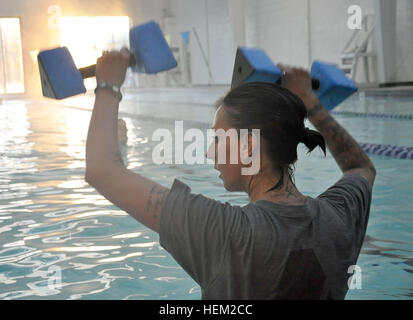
(314, 110)
(342, 145)
(157, 196)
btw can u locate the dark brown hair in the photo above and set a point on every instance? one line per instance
(279, 114)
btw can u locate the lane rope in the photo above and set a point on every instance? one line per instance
(388, 150)
(374, 115)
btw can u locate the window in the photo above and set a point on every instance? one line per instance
(86, 37)
(11, 60)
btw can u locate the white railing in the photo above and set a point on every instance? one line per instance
(357, 47)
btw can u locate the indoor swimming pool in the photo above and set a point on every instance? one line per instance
(59, 239)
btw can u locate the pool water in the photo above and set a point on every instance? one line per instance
(59, 239)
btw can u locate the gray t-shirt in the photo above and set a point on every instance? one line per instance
(266, 250)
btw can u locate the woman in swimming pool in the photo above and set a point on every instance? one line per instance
(282, 245)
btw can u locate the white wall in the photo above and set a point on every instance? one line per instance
(300, 31)
(278, 27)
(221, 49)
(329, 31)
(189, 15)
(404, 40)
(211, 20)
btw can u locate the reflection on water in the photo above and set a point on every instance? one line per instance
(53, 223)
(49, 216)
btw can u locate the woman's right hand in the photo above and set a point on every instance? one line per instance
(298, 81)
(111, 67)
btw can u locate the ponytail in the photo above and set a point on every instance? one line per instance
(312, 139)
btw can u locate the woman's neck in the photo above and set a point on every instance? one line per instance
(287, 193)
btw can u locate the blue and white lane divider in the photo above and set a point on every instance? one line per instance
(382, 149)
(374, 115)
(388, 150)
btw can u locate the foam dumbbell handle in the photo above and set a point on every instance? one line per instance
(90, 71)
(315, 83)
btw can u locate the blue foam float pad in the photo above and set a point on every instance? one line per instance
(152, 52)
(335, 86)
(185, 36)
(59, 74)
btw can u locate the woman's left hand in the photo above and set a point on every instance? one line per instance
(111, 67)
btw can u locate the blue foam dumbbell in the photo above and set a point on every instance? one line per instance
(334, 86)
(329, 83)
(61, 78)
(253, 65)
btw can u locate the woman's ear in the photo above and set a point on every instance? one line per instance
(254, 142)
(250, 143)
(250, 150)
(246, 145)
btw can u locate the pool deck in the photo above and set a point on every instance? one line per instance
(191, 104)
(406, 91)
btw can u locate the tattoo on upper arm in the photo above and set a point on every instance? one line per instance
(156, 199)
(117, 157)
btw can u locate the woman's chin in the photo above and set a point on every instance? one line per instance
(223, 180)
(228, 186)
